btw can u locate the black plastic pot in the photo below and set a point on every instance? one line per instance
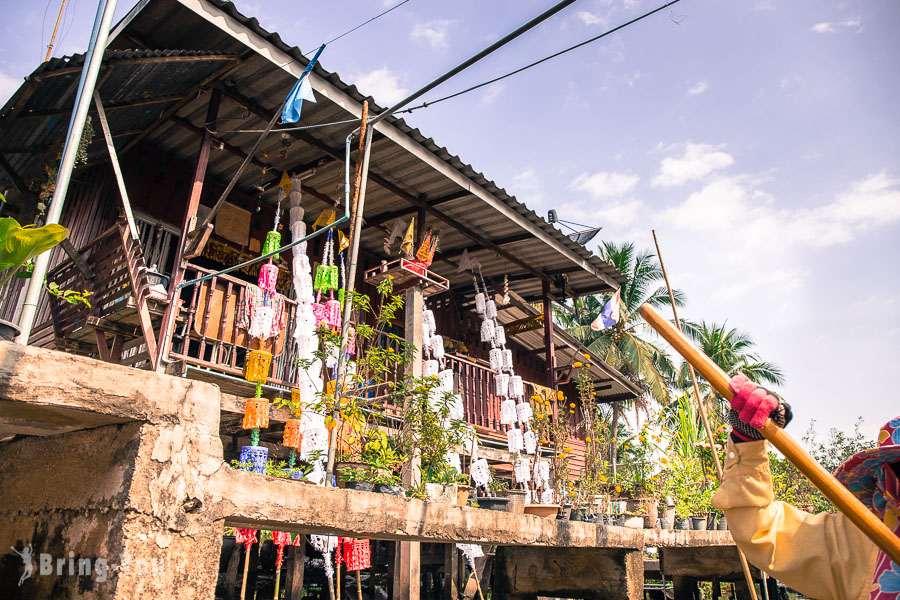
(389, 489)
(8, 331)
(493, 503)
(723, 523)
(578, 515)
(711, 523)
(682, 524)
(362, 486)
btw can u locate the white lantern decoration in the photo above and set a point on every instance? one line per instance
(487, 330)
(429, 321)
(507, 360)
(435, 399)
(547, 496)
(530, 441)
(496, 357)
(446, 379)
(522, 470)
(315, 439)
(499, 336)
(437, 346)
(543, 467)
(471, 552)
(455, 405)
(480, 472)
(430, 368)
(516, 387)
(524, 412)
(452, 459)
(514, 442)
(490, 310)
(508, 412)
(501, 385)
(479, 303)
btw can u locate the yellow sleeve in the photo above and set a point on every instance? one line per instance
(822, 556)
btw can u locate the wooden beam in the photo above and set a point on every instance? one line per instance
(523, 325)
(143, 60)
(111, 148)
(15, 178)
(110, 107)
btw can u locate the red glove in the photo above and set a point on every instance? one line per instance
(751, 406)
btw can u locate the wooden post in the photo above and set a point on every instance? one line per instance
(549, 348)
(293, 579)
(684, 588)
(190, 215)
(406, 556)
(451, 572)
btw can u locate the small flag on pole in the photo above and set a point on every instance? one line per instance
(301, 91)
(609, 316)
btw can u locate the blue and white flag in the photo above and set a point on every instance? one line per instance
(301, 91)
(609, 316)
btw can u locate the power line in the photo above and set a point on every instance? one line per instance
(545, 59)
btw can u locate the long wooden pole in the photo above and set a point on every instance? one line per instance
(55, 28)
(840, 496)
(745, 567)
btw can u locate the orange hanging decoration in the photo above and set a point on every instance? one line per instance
(256, 369)
(256, 414)
(293, 438)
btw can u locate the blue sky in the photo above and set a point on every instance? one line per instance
(760, 139)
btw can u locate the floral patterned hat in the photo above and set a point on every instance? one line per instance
(864, 473)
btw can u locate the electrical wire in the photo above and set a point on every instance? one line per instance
(349, 31)
(537, 62)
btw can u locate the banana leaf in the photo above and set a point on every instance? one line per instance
(18, 244)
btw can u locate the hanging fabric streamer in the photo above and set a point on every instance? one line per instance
(261, 325)
(396, 232)
(407, 246)
(301, 91)
(508, 412)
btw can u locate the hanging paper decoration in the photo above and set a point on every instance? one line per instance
(547, 496)
(326, 544)
(507, 360)
(280, 539)
(430, 368)
(351, 341)
(272, 243)
(436, 343)
(429, 323)
(465, 263)
(244, 537)
(453, 461)
(514, 441)
(396, 232)
(256, 457)
(356, 554)
(508, 412)
(408, 243)
(332, 315)
(530, 441)
(499, 335)
(522, 470)
(256, 368)
(293, 438)
(480, 304)
(524, 412)
(516, 387)
(496, 358)
(490, 310)
(256, 414)
(501, 384)
(446, 379)
(268, 278)
(480, 473)
(471, 552)
(428, 248)
(435, 399)
(487, 331)
(249, 317)
(457, 411)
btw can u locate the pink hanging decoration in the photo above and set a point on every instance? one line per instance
(351, 341)
(318, 311)
(245, 537)
(333, 313)
(268, 277)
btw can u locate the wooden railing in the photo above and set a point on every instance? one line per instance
(207, 334)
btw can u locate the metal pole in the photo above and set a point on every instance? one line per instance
(93, 57)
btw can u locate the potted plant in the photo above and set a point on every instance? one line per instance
(18, 246)
(388, 484)
(495, 501)
(356, 479)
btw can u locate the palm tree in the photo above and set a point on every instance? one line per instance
(624, 346)
(732, 350)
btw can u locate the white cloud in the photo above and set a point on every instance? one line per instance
(698, 89)
(527, 188)
(848, 23)
(433, 33)
(604, 184)
(382, 84)
(822, 28)
(632, 79)
(8, 86)
(697, 161)
(590, 18)
(492, 93)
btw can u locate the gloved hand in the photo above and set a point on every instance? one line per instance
(751, 406)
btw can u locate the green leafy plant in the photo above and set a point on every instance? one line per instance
(19, 245)
(70, 296)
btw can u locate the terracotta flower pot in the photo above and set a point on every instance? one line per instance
(462, 494)
(541, 510)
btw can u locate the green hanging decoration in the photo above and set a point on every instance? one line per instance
(272, 243)
(254, 436)
(292, 459)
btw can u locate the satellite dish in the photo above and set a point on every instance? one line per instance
(583, 237)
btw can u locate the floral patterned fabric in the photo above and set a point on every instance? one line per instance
(871, 478)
